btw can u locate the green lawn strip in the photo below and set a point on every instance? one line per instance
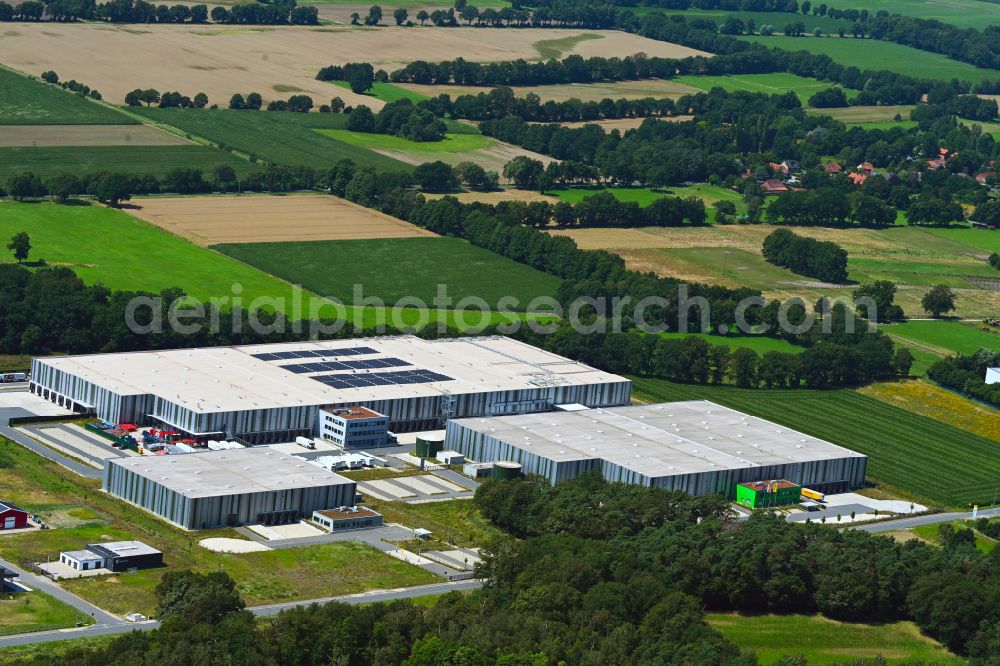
(932, 534)
(646, 195)
(758, 343)
(916, 453)
(878, 116)
(53, 652)
(879, 55)
(280, 138)
(452, 143)
(386, 92)
(452, 521)
(920, 272)
(981, 240)
(771, 84)
(48, 161)
(945, 337)
(264, 577)
(823, 641)
(37, 611)
(549, 49)
(777, 19)
(27, 101)
(393, 269)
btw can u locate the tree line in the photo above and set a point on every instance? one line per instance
(588, 572)
(140, 11)
(967, 375)
(823, 260)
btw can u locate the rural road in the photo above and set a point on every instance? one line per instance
(930, 519)
(109, 624)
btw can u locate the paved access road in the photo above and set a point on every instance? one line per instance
(7, 413)
(929, 519)
(104, 627)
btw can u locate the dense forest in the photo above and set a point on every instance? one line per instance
(591, 574)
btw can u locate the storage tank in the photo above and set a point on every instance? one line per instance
(429, 446)
(505, 471)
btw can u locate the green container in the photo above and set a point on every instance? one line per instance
(506, 471)
(429, 446)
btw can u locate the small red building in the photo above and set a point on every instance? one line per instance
(12, 517)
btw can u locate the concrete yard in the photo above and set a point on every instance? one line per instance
(31, 403)
(297, 530)
(227, 545)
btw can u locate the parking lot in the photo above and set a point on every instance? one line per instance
(418, 488)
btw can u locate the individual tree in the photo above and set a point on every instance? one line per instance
(435, 177)
(744, 367)
(523, 172)
(939, 300)
(336, 105)
(903, 361)
(20, 245)
(50, 77)
(112, 189)
(149, 96)
(254, 101)
(355, 18)
(134, 98)
(300, 103)
(399, 15)
(881, 293)
(200, 100)
(361, 119)
(237, 102)
(63, 186)
(197, 599)
(360, 78)
(224, 174)
(374, 15)
(422, 16)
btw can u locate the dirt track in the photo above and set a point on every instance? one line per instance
(257, 219)
(222, 60)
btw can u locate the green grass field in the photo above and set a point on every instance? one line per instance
(778, 19)
(386, 92)
(931, 533)
(645, 195)
(771, 84)
(264, 577)
(979, 239)
(870, 115)
(549, 49)
(452, 143)
(34, 102)
(963, 13)
(121, 252)
(37, 611)
(875, 54)
(452, 521)
(823, 641)
(281, 138)
(945, 337)
(730, 265)
(134, 160)
(392, 269)
(918, 454)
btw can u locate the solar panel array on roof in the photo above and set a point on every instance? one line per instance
(343, 381)
(369, 364)
(317, 353)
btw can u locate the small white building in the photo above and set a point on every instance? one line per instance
(993, 375)
(450, 457)
(82, 560)
(354, 427)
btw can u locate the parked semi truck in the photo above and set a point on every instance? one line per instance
(14, 377)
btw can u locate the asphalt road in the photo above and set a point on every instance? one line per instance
(929, 519)
(106, 627)
(7, 413)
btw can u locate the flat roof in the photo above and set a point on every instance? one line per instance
(359, 512)
(353, 413)
(81, 555)
(126, 548)
(658, 440)
(224, 379)
(769, 486)
(229, 472)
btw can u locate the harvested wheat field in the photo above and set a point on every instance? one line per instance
(656, 88)
(526, 196)
(259, 219)
(18, 136)
(623, 124)
(492, 158)
(222, 60)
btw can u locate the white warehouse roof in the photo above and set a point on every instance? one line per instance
(658, 440)
(236, 472)
(223, 379)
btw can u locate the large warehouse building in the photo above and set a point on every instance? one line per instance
(696, 446)
(227, 488)
(272, 393)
